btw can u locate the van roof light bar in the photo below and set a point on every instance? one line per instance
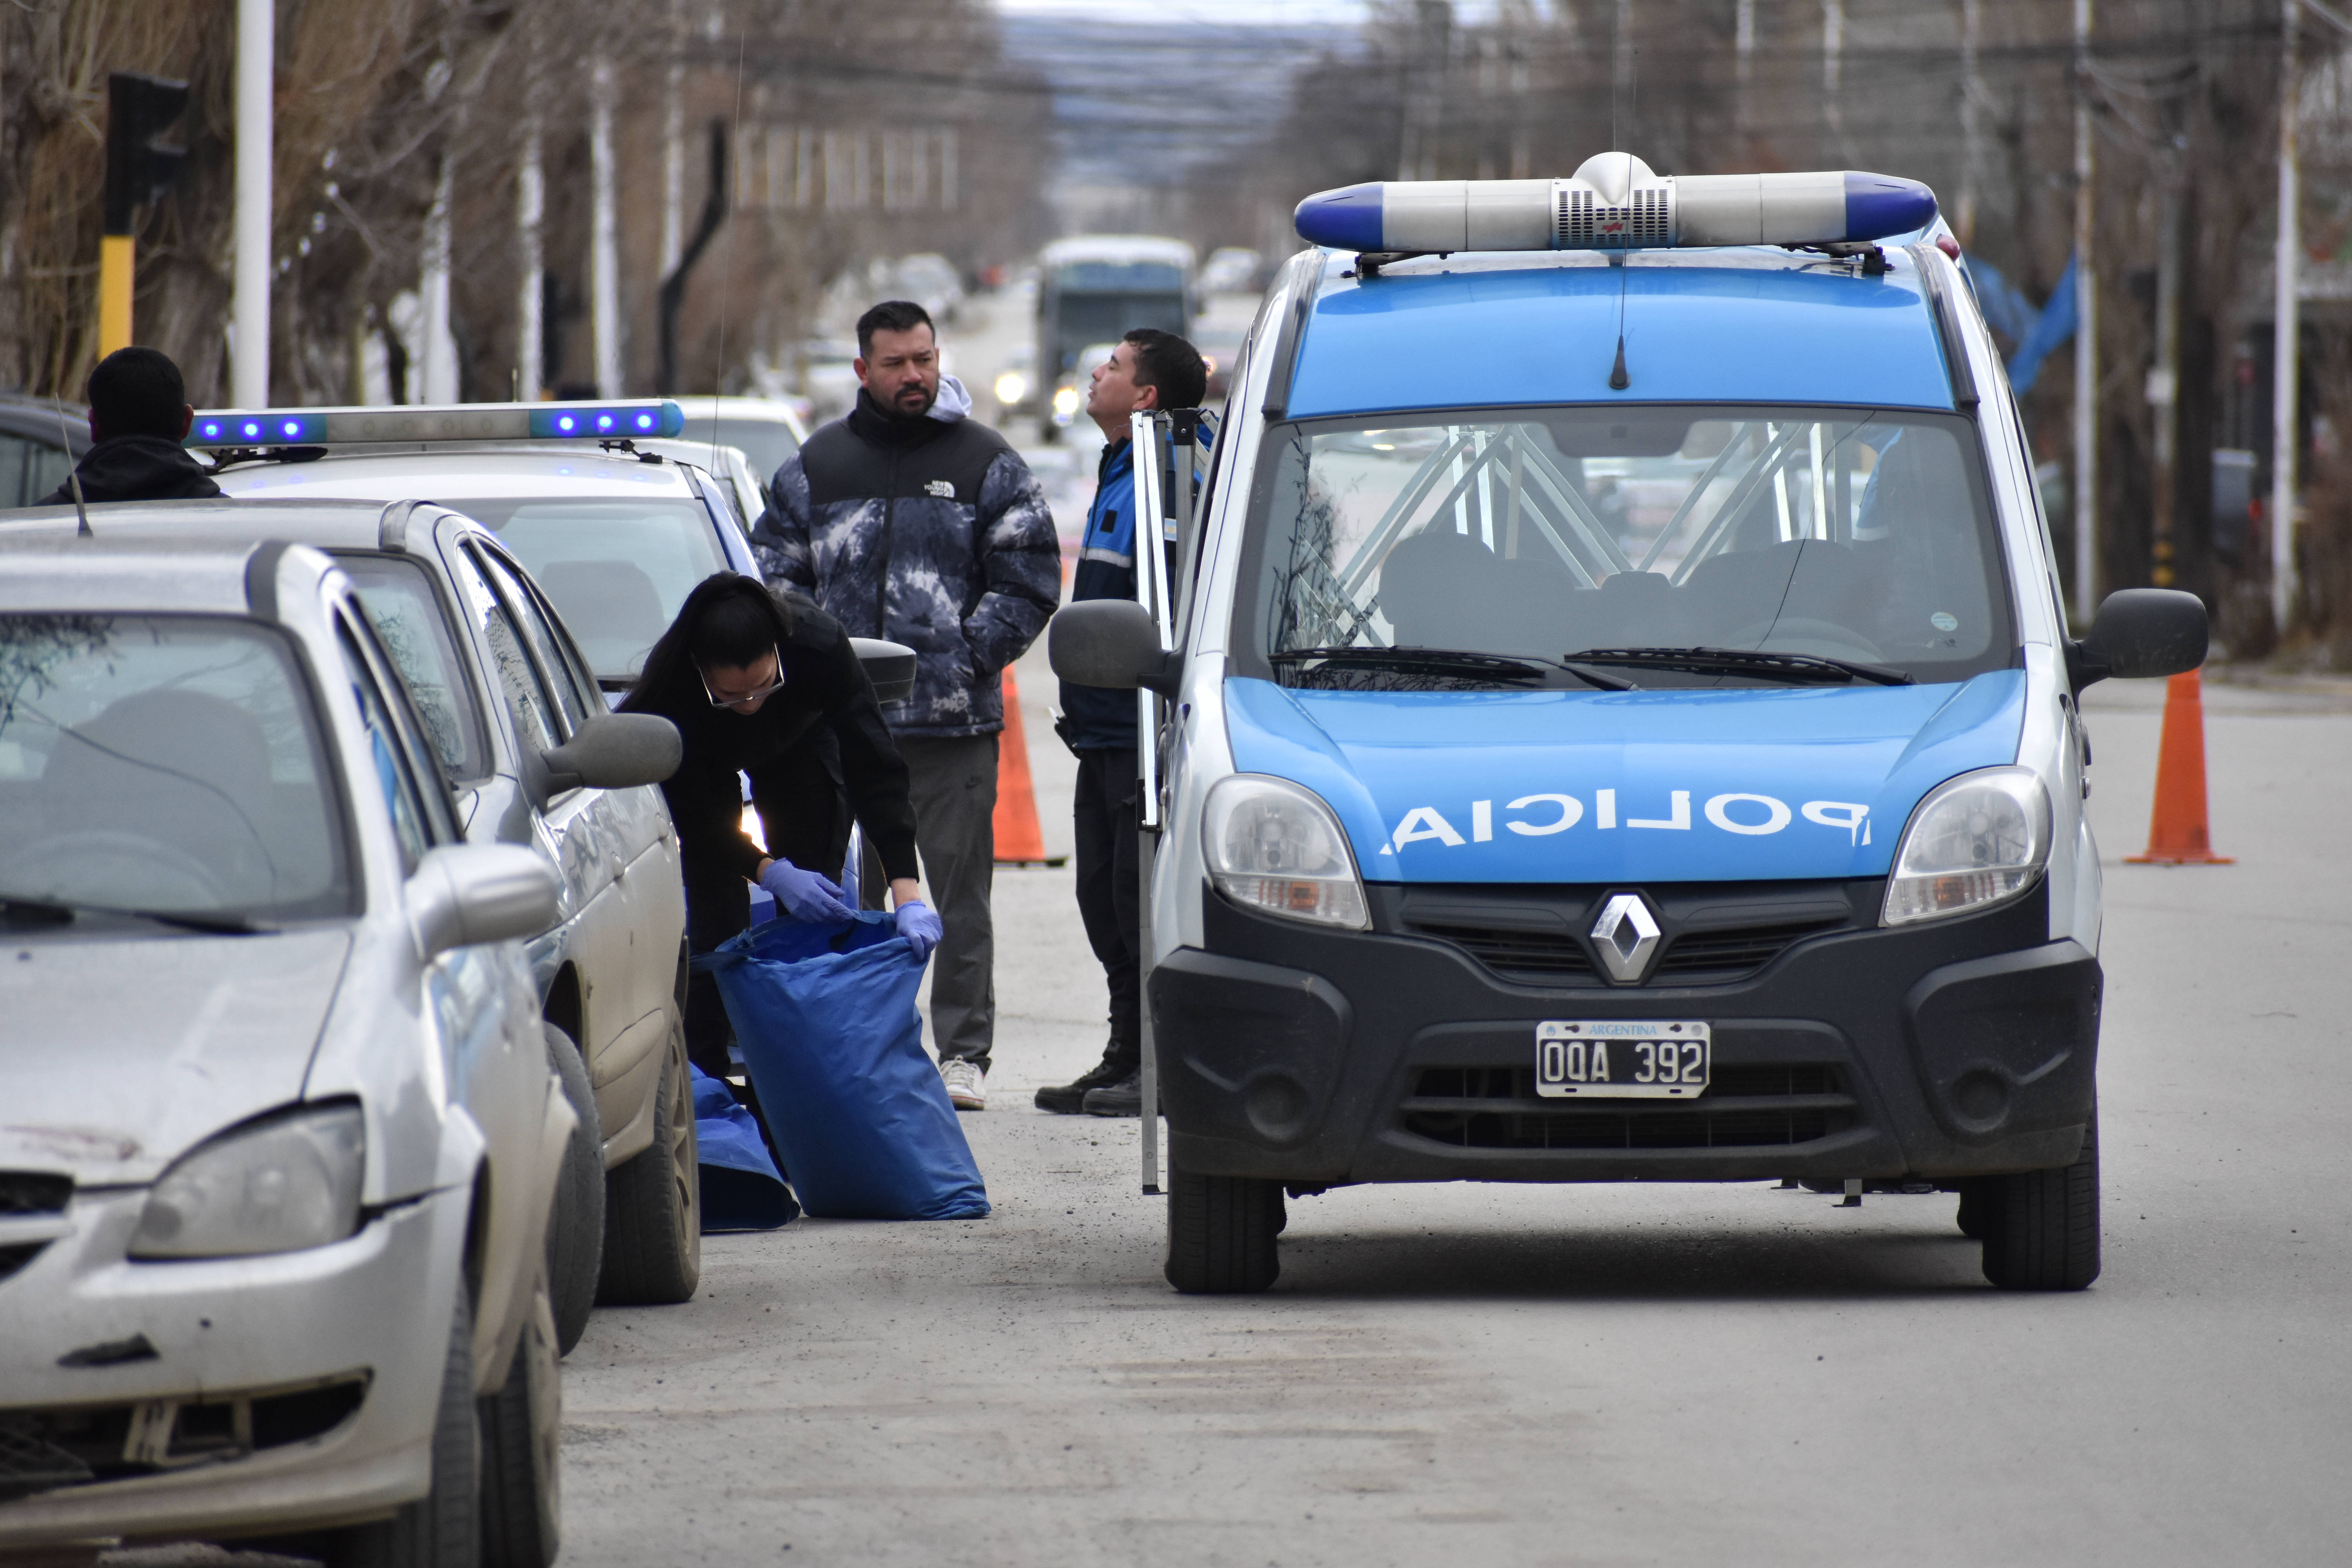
(403, 423)
(1615, 202)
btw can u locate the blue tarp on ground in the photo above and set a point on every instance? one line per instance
(825, 1017)
(740, 1187)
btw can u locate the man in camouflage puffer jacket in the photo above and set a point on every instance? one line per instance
(908, 520)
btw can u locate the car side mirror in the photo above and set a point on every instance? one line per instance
(469, 893)
(2140, 633)
(611, 751)
(889, 666)
(1111, 642)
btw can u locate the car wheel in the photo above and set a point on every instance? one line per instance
(443, 1528)
(521, 1426)
(575, 1230)
(1970, 1218)
(2042, 1227)
(653, 1205)
(1221, 1233)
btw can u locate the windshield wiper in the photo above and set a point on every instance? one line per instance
(1456, 663)
(1746, 661)
(17, 905)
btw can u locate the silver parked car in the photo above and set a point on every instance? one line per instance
(522, 735)
(278, 1136)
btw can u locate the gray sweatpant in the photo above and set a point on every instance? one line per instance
(953, 782)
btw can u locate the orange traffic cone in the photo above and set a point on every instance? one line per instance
(2177, 832)
(1019, 840)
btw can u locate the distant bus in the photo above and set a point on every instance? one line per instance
(1097, 288)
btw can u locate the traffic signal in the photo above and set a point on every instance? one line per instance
(138, 109)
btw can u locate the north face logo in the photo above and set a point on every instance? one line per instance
(943, 489)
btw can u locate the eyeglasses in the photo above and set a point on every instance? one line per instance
(772, 687)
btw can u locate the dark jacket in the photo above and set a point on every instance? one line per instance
(1094, 717)
(929, 531)
(824, 685)
(136, 468)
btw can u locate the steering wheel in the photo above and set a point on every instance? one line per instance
(94, 861)
(1823, 639)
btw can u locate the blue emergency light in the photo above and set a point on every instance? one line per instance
(454, 421)
(1615, 202)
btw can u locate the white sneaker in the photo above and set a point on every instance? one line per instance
(966, 1090)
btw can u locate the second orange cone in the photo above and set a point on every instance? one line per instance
(2177, 834)
(1019, 839)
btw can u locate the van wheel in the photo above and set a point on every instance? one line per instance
(1221, 1233)
(653, 1205)
(575, 1230)
(2042, 1227)
(1970, 1218)
(443, 1528)
(521, 1426)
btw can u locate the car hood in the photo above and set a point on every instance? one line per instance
(120, 1055)
(1571, 787)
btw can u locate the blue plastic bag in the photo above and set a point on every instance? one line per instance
(824, 1016)
(740, 1187)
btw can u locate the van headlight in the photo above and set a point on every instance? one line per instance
(1975, 840)
(1278, 848)
(1066, 401)
(278, 1186)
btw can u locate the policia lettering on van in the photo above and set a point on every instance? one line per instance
(1624, 725)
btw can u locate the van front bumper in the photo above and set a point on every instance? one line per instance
(1952, 1049)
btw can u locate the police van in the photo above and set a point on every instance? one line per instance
(1618, 722)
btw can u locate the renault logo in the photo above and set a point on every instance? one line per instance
(1626, 937)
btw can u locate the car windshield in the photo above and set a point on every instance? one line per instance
(164, 764)
(408, 615)
(769, 443)
(1661, 542)
(617, 570)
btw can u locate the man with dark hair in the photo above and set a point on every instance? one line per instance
(139, 415)
(1149, 369)
(911, 520)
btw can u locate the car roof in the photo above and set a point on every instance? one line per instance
(60, 572)
(331, 524)
(519, 473)
(1735, 325)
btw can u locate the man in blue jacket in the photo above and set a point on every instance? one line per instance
(909, 520)
(1149, 369)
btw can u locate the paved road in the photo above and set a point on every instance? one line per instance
(1541, 1375)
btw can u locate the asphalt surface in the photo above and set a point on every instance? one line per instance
(1599, 1375)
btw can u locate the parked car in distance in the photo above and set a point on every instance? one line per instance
(281, 1140)
(768, 431)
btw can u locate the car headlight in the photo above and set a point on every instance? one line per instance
(1278, 848)
(1975, 840)
(278, 1186)
(1066, 401)
(1012, 387)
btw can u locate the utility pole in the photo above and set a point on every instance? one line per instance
(2164, 380)
(438, 373)
(1744, 44)
(256, 64)
(1972, 129)
(673, 226)
(1833, 72)
(603, 240)
(2286, 331)
(531, 212)
(2086, 333)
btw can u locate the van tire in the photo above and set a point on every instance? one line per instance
(575, 1229)
(521, 1428)
(443, 1528)
(1221, 1233)
(1970, 1217)
(653, 1205)
(2042, 1227)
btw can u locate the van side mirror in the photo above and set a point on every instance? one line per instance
(1111, 642)
(2140, 633)
(467, 893)
(615, 750)
(889, 666)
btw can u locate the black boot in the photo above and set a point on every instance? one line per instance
(1069, 1099)
(1124, 1097)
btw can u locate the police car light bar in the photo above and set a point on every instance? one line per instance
(457, 421)
(1614, 202)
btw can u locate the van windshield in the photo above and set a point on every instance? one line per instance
(1655, 546)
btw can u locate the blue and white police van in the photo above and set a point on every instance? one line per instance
(1618, 722)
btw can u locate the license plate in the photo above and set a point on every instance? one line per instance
(1615, 1059)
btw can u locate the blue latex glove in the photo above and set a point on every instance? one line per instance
(806, 896)
(918, 925)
